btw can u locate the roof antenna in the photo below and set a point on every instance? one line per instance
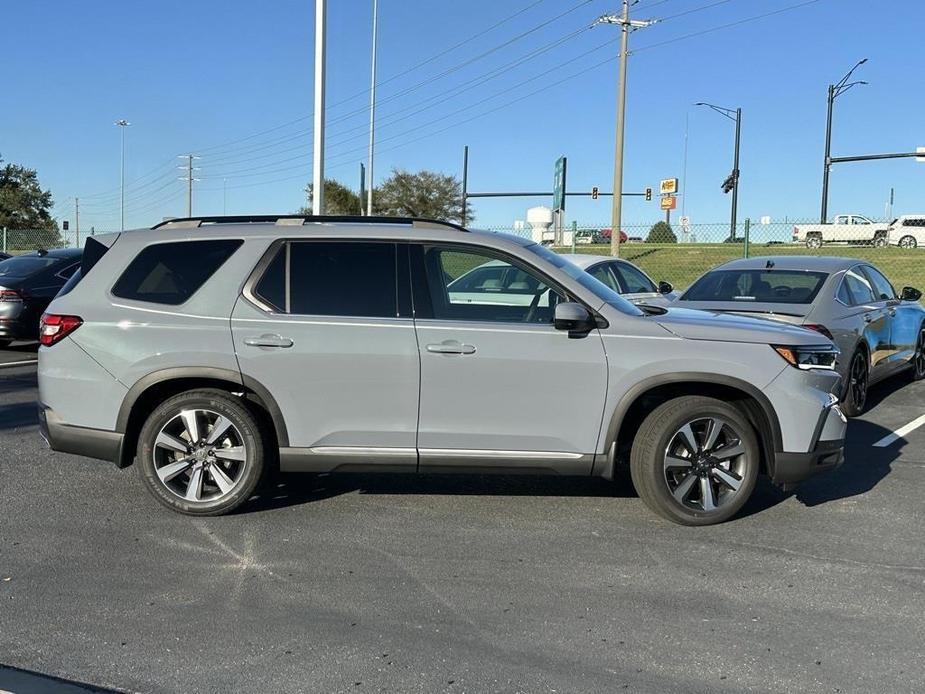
(769, 264)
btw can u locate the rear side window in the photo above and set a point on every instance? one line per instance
(322, 278)
(170, 273)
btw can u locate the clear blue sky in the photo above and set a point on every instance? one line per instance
(202, 75)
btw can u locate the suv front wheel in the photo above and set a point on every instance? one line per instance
(201, 453)
(695, 460)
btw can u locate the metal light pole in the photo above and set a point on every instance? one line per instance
(318, 150)
(834, 91)
(123, 124)
(372, 110)
(736, 116)
(616, 212)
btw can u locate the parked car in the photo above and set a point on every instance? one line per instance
(607, 234)
(28, 282)
(846, 228)
(878, 331)
(625, 278)
(4, 256)
(217, 348)
(908, 231)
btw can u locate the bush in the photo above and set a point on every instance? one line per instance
(661, 232)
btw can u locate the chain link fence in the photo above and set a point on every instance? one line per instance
(679, 253)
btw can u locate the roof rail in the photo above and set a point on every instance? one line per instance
(299, 219)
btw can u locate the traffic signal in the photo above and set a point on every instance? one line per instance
(65, 225)
(648, 193)
(730, 181)
(594, 193)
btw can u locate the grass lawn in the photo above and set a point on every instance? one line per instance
(681, 264)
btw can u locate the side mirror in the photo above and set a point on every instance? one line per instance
(910, 294)
(575, 318)
(665, 287)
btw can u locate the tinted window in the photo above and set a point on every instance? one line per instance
(766, 286)
(603, 274)
(860, 288)
(843, 294)
(272, 286)
(25, 265)
(632, 279)
(883, 290)
(93, 251)
(170, 273)
(470, 286)
(342, 279)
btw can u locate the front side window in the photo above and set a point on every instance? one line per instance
(470, 286)
(170, 273)
(330, 278)
(603, 274)
(766, 286)
(632, 279)
(883, 290)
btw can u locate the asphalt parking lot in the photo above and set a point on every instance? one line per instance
(468, 584)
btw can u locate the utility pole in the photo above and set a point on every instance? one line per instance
(77, 219)
(617, 208)
(372, 110)
(465, 184)
(123, 124)
(318, 149)
(224, 196)
(189, 181)
(362, 186)
(732, 181)
(834, 91)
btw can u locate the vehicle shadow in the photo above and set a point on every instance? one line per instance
(289, 489)
(21, 348)
(18, 416)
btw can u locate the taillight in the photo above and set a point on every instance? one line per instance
(820, 329)
(54, 328)
(796, 233)
(12, 296)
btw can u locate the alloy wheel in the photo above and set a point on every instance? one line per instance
(857, 382)
(705, 464)
(907, 242)
(199, 455)
(918, 360)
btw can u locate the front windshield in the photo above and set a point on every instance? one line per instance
(600, 290)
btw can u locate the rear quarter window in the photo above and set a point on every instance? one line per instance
(170, 273)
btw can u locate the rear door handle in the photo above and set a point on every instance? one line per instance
(868, 318)
(268, 341)
(451, 347)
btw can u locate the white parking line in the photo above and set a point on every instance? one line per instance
(18, 363)
(899, 433)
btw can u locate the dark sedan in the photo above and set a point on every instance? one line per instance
(28, 283)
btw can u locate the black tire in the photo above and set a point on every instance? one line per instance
(656, 439)
(814, 241)
(218, 463)
(4, 343)
(880, 241)
(917, 370)
(908, 242)
(854, 394)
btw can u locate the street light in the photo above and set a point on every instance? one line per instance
(123, 124)
(732, 181)
(835, 90)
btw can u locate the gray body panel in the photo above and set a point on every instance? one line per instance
(361, 393)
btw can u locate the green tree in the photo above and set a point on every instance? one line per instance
(661, 232)
(338, 199)
(423, 194)
(24, 205)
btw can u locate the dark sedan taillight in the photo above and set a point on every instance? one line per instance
(12, 296)
(54, 328)
(820, 329)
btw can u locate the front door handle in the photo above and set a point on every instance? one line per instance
(268, 341)
(451, 347)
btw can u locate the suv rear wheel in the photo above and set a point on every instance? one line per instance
(695, 460)
(201, 453)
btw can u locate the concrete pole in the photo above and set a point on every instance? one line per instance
(372, 111)
(318, 150)
(617, 209)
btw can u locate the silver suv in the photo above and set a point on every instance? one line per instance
(213, 351)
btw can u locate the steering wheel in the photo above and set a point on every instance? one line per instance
(531, 312)
(781, 290)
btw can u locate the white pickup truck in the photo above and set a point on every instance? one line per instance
(847, 228)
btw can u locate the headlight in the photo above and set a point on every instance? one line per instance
(809, 356)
